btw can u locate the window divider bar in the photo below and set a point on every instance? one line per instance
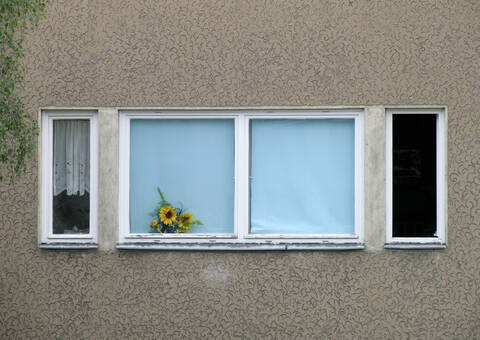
(441, 179)
(389, 177)
(124, 175)
(242, 190)
(359, 192)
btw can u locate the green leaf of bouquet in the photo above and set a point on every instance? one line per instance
(164, 201)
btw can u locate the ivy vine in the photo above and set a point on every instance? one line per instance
(17, 131)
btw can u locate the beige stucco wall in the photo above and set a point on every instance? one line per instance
(251, 53)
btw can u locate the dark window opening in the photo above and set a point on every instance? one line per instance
(71, 214)
(414, 175)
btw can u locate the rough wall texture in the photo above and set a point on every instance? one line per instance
(248, 53)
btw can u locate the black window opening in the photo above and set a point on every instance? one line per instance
(414, 175)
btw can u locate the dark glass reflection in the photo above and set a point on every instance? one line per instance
(414, 175)
(71, 213)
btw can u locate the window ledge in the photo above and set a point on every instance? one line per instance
(68, 245)
(239, 246)
(415, 246)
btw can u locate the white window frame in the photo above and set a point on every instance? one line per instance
(441, 169)
(48, 238)
(241, 239)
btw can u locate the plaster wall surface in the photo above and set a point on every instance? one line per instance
(111, 53)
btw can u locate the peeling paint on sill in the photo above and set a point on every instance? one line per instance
(239, 246)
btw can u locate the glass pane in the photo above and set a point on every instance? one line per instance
(192, 161)
(71, 176)
(302, 176)
(414, 175)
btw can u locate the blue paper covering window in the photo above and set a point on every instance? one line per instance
(192, 161)
(302, 176)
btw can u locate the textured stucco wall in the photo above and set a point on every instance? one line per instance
(247, 53)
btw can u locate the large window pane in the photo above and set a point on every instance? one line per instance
(71, 176)
(302, 176)
(192, 161)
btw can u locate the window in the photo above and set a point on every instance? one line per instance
(69, 179)
(192, 161)
(302, 175)
(416, 176)
(259, 179)
(256, 179)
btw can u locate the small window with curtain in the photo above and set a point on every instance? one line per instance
(69, 178)
(241, 179)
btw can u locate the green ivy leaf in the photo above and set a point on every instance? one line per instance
(17, 132)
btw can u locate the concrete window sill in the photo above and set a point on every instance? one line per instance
(415, 246)
(68, 246)
(239, 246)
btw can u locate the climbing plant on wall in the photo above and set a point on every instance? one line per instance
(17, 130)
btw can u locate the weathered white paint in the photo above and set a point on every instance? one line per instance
(240, 246)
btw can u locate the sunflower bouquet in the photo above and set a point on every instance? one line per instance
(169, 219)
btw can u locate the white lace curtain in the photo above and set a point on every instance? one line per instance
(71, 156)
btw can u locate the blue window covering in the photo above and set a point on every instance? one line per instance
(302, 176)
(192, 161)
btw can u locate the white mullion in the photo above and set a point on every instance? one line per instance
(441, 171)
(93, 222)
(243, 179)
(48, 177)
(236, 165)
(389, 177)
(358, 177)
(124, 177)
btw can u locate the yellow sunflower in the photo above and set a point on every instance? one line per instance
(185, 219)
(167, 215)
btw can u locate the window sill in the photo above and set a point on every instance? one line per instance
(239, 246)
(415, 246)
(68, 245)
